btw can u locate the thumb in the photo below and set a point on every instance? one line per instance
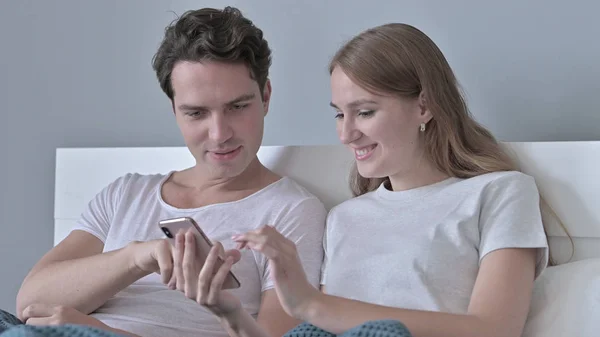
(234, 253)
(37, 310)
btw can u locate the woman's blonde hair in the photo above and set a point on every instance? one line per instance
(400, 60)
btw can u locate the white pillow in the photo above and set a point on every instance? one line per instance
(566, 301)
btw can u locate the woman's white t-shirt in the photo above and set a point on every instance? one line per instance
(421, 248)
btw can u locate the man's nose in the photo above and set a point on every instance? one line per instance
(220, 129)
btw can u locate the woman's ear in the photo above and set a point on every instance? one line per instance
(424, 113)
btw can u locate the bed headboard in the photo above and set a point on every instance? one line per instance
(566, 173)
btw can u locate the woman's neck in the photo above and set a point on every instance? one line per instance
(422, 174)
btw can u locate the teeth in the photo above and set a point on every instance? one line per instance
(363, 151)
(224, 152)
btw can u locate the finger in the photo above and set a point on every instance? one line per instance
(248, 240)
(271, 246)
(251, 237)
(266, 249)
(234, 253)
(190, 273)
(164, 257)
(40, 321)
(177, 253)
(260, 235)
(220, 248)
(178, 260)
(206, 274)
(37, 310)
(217, 282)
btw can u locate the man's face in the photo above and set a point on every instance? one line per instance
(220, 111)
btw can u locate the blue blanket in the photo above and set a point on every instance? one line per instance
(381, 328)
(11, 326)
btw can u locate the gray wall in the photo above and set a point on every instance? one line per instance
(77, 73)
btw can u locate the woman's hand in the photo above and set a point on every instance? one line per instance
(293, 289)
(202, 282)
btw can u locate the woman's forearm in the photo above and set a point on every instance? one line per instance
(242, 324)
(337, 315)
(122, 332)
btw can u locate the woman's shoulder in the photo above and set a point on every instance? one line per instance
(503, 182)
(503, 176)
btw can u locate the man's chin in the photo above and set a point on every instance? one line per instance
(228, 169)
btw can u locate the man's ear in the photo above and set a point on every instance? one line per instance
(424, 113)
(266, 95)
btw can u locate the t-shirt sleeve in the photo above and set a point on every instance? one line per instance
(325, 253)
(96, 218)
(511, 218)
(304, 225)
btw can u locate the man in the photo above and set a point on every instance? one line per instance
(114, 271)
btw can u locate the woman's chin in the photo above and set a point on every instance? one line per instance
(370, 173)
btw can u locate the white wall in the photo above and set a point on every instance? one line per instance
(77, 73)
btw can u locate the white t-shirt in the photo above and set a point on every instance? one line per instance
(129, 210)
(421, 248)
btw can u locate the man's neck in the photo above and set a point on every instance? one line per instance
(255, 176)
(192, 189)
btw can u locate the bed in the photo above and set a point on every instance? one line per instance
(566, 298)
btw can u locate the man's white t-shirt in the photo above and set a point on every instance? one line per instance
(130, 208)
(421, 248)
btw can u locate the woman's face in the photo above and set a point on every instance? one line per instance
(381, 130)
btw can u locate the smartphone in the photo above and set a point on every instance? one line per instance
(170, 227)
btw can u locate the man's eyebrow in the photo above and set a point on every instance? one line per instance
(192, 107)
(356, 103)
(245, 97)
(242, 98)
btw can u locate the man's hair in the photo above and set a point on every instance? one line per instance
(210, 34)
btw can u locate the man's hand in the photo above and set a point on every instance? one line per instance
(42, 314)
(154, 256)
(202, 282)
(48, 315)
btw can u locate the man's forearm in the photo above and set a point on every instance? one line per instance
(84, 284)
(242, 324)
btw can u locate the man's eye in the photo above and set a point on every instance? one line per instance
(196, 114)
(239, 106)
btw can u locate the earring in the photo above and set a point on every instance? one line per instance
(422, 127)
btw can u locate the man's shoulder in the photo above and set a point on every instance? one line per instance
(287, 198)
(288, 190)
(294, 211)
(133, 183)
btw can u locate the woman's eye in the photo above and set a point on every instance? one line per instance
(366, 113)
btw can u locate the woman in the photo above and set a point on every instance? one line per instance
(444, 236)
